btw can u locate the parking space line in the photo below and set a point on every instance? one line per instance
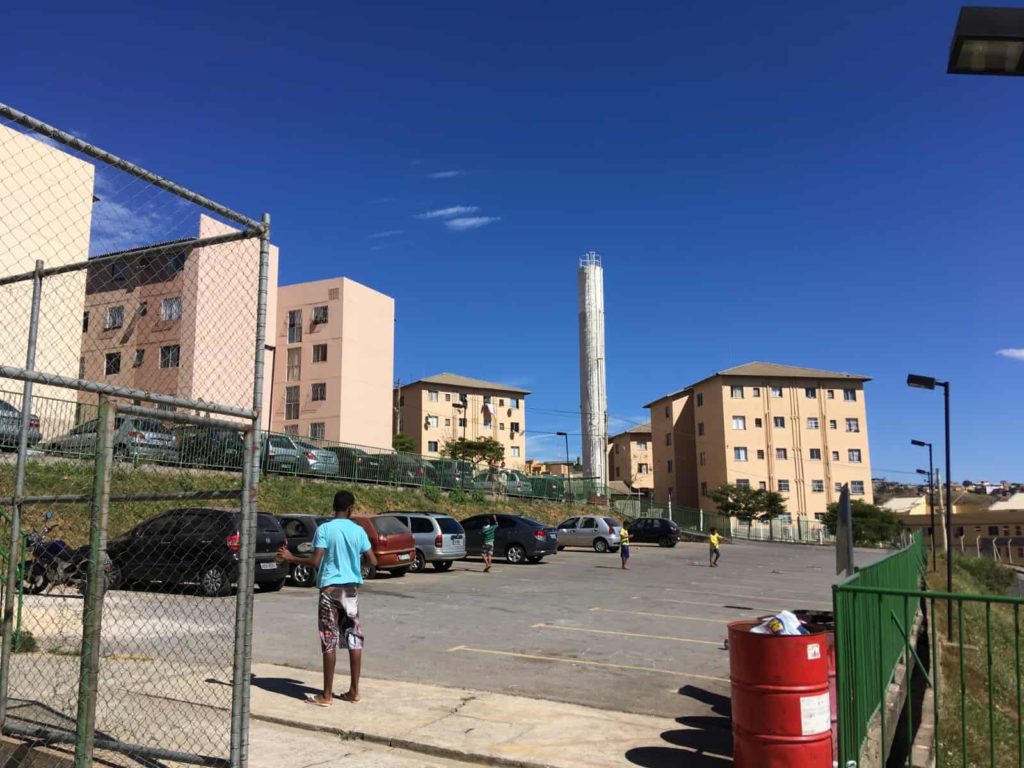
(585, 662)
(711, 605)
(627, 634)
(705, 591)
(663, 615)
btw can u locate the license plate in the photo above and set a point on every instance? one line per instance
(268, 566)
(403, 557)
(456, 537)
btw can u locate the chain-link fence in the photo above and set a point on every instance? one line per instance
(133, 310)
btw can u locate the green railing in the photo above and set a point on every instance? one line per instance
(874, 619)
(4, 555)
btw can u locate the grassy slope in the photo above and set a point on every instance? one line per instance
(976, 576)
(277, 494)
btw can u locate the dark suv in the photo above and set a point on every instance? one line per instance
(517, 539)
(196, 545)
(654, 530)
(210, 447)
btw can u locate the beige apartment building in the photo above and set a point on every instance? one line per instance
(334, 362)
(799, 431)
(442, 408)
(46, 198)
(181, 323)
(631, 458)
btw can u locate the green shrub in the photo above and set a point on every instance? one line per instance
(458, 496)
(24, 642)
(993, 577)
(432, 493)
(477, 496)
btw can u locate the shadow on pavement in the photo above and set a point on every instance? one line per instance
(284, 686)
(706, 740)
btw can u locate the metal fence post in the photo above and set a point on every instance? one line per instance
(242, 666)
(92, 612)
(14, 549)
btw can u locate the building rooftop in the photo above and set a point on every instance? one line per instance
(904, 503)
(770, 371)
(639, 429)
(454, 380)
(1016, 501)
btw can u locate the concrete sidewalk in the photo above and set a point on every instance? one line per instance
(487, 728)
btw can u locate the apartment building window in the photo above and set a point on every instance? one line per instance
(431, 421)
(783, 486)
(668, 411)
(316, 430)
(81, 371)
(318, 392)
(432, 446)
(739, 422)
(762, 485)
(175, 263)
(700, 429)
(817, 486)
(293, 371)
(513, 402)
(643, 469)
(739, 454)
(700, 399)
(464, 399)
(854, 455)
(781, 453)
(835, 455)
(755, 391)
(447, 422)
(170, 356)
(779, 421)
(140, 357)
(736, 392)
(857, 487)
(462, 423)
(294, 326)
(501, 426)
(831, 394)
(501, 403)
(85, 322)
(487, 399)
(641, 445)
(812, 422)
(487, 422)
(670, 465)
(760, 453)
(810, 393)
(703, 490)
(853, 425)
(447, 397)
(742, 483)
(118, 271)
(513, 426)
(115, 317)
(170, 309)
(759, 423)
(832, 424)
(776, 391)
(433, 395)
(112, 363)
(320, 314)
(703, 458)
(815, 454)
(839, 487)
(850, 395)
(291, 403)
(514, 452)
(292, 430)
(319, 353)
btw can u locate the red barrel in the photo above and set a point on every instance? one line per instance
(781, 714)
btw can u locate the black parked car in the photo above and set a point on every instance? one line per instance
(300, 530)
(517, 539)
(210, 447)
(654, 530)
(356, 464)
(196, 545)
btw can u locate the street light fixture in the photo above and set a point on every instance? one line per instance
(930, 382)
(931, 492)
(568, 467)
(988, 41)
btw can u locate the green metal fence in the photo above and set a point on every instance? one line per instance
(875, 613)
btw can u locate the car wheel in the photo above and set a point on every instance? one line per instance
(368, 571)
(515, 553)
(213, 582)
(535, 558)
(400, 571)
(419, 564)
(600, 545)
(271, 586)
(302, 575)
(561, 547)
(442, 565)
(664, 541)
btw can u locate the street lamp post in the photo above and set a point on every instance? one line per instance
(930, 382)
(931, 492)
(568, 468)
(460, 407)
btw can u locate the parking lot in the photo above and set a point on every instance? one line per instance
(574, 628)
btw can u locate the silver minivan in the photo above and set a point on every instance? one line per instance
(601, 533)
(439, 539)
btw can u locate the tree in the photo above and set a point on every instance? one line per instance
(871, 525)
(746, 503)
(486, 449)
(403, 443)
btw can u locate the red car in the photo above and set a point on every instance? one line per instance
(392, 543)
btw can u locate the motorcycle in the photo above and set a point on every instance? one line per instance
(55, 563)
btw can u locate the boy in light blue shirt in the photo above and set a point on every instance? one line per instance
(339, 547)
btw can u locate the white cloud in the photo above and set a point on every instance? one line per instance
(386, 233)
(116, 227)
(1013, 354)
(470, 222)
(444, 174)
(445, 213)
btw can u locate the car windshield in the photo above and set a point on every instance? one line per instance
(612, 523)
(448, 525)
(305, 446)
(531, 523)
(388, 525)
(150, 425)
(268, 523)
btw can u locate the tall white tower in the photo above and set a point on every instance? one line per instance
(593, 398)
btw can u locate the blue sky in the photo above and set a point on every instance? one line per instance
(788, 182)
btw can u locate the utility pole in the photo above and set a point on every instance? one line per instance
(398, 406)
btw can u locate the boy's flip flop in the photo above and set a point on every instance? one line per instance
(316, 700)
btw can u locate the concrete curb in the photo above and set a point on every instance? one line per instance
(399, 743)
